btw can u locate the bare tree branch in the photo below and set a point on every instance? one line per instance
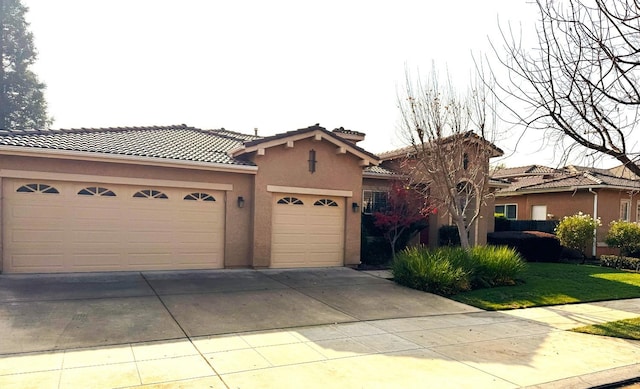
(582, 79)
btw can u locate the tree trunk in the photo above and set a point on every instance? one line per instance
(462, 231)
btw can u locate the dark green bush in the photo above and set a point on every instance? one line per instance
(534, 246)
(625, 236)
(448, 236)
(450, 270)
(620, 262)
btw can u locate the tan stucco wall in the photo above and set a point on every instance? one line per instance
(561, 204)
(284, 166)
(238, 221)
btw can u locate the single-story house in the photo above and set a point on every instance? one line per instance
(537, 192)
(178, 197)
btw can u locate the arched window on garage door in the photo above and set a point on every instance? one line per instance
(290, 200)
(198, 196)
(326, 203)
(96, 191)
(150, 194)
(37, 188)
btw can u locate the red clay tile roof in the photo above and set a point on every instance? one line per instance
(178, 142)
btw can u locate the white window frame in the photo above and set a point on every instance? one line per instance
(625, 210)
(515, 206)
(368, 196)
(539, 205)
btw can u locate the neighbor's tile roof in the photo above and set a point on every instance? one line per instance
(171, 142)
(569, 178)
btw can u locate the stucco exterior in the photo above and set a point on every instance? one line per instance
(288, 167)
(561, 204)
(278, 166)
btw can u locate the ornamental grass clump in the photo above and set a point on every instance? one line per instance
(421, 269)
(451, 270)
(495, 266)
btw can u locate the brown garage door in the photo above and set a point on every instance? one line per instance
(307, 231)
(56, 226)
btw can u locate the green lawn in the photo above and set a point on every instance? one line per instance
(627, 329)
(554, 283)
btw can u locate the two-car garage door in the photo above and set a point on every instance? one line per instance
(57, 226)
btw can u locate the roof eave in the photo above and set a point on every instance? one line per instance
(125, 159)
(317, 133)
(564, 189)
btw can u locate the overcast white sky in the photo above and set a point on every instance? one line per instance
(275, 65)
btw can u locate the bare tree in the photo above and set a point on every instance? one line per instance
(581, 80)
(451, 143)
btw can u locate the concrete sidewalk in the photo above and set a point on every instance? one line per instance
(452, 346)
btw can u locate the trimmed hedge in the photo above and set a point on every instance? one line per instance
(534, 246)
(617, 262)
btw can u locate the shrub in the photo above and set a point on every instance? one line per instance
(421, 269)
(620, 262)
(495, 266)
(450, 270)
(625, 236)
(576, 231)
(448, 236)
(534, 246)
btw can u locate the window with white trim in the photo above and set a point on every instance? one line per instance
(290, 201)
(37, 188)
(199, 196)
(96, 191)
(509, 211)
(150, 194)
(625, 210)
(374, 201)
(326, 202)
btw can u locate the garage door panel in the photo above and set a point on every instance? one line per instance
(36, 211)
(71, 232)
(149, 237)
(38, 260)
(35, 237)
(93, 260)
(307, 235)
(196, 239)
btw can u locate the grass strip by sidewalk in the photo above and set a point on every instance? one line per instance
(557, 283)
(627, 329)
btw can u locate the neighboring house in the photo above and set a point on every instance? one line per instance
(542, 193)
(178, 197)
(376, 181)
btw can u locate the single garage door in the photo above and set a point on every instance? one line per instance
(307, 231)
(56, 226)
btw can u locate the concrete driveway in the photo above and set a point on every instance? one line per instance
(288, 329)
(54, 312)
